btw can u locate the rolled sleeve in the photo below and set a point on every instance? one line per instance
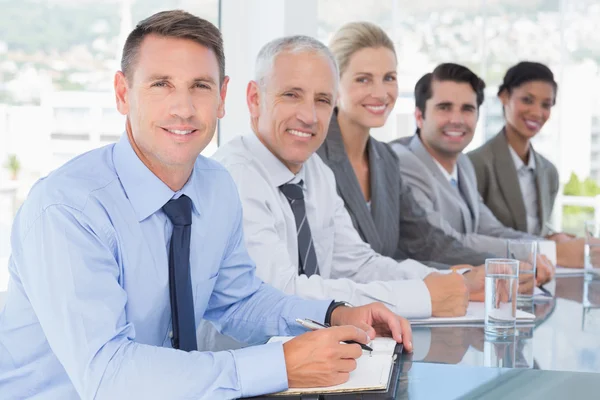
(254, 379)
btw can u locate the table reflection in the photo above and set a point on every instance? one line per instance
(564, 337)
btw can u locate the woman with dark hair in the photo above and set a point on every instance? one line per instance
(518, 184)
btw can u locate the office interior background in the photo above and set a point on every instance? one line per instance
(58, 58)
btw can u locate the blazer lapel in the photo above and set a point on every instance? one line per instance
(508, 180)
(348, 186)
(543, 188)
(385, 195)
(421, 152)
(470, 195)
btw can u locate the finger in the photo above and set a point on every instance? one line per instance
(348, 351)
(348, 332)
(406, 334)
(345, 365)
(384, 315)
(371, 332)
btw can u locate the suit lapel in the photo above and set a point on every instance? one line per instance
(508, 180)
(543, 188)
(421, 152)
(385, 194)
(469, 194)
(348, 186)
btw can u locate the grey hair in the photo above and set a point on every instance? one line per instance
(289, 44)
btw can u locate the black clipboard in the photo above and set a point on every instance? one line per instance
(388, 394)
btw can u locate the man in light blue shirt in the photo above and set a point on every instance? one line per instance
(92, 310)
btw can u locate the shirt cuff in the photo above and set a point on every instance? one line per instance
(261, 369)
(311, 309)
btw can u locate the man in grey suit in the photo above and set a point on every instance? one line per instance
(442, 178)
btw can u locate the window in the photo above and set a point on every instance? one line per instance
(489, 36)
(57, 62)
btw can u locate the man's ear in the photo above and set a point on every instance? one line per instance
(419, 117)
(223, 94)
(122, 92)
(253, 98)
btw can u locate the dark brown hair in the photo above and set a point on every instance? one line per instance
(173, 24)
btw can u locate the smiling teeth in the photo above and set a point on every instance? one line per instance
(298, 133)
(453, 133)
(532, 124)
(376, 108)
(178, 132)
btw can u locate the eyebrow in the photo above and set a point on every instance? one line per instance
(370, 74)
(534, 96)
(299, 89)
(206, 79)
(449, 103)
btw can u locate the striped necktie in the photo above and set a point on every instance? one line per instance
(306, 251)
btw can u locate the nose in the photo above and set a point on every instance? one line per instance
(307, 112)
(457, 117)
(183, 104)
(379, 92)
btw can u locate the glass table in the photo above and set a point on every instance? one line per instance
(565, 336)
(556, 357)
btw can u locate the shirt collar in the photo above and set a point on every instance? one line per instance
(519, 164)
(279, 174)
(449, 177)
(146, 192)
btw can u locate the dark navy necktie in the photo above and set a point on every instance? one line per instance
(306, 251)
(180, 282)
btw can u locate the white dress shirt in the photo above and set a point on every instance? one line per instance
(526, 174)
(448, 176)
(349, 269)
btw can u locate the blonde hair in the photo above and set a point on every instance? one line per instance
(356, 36)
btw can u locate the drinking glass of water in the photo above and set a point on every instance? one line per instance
(592, 250)
(501, 284)
(524, 251)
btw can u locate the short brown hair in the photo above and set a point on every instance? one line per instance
(447, 72)
(174, 24)
(356, 36)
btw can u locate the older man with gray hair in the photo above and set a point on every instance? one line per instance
(296, 227)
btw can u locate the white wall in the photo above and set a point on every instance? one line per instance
(247, 25)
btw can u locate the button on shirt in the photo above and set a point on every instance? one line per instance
(87, 312)
(348, 268)
(528, 185)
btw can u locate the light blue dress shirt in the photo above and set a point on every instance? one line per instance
(87, 312)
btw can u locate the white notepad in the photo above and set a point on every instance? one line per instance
(373, 370)
(475, 314)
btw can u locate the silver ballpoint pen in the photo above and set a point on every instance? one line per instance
(313, 326)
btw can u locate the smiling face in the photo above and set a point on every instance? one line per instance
(172, 101)
(450, 118)
(369, 87)
(528, 107)
(292, 108)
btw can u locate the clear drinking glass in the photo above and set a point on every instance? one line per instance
(524, 251)
(501, 283)
(592, 250)
(499, 352)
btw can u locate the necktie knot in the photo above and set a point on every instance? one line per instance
(179, 211)
(293, 191)
(453, 183)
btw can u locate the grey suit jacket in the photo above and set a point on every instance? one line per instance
(498, 184)
(465, 217)
(396, 226)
